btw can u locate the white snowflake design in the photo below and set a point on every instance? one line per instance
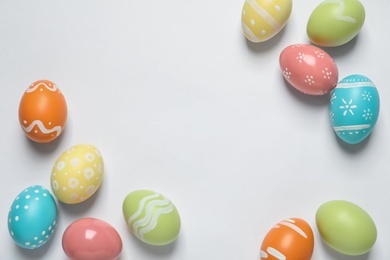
(319, 54)
(287, 73)
(367, 114)
(327, 73)
(366, 96)
(310, 80)
(348, 107)
(331, 115)
(300, 57)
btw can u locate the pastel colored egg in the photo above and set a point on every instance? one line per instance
(263, 19)
(42, 111)
(309, 69)
(354, 108)
(335, 22)
(91, 239)
(151, 217)
(77, 174)
(32, 218)
(289, 239)
(346, 227)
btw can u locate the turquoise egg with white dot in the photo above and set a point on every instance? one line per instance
(32, 218)
(354, 108)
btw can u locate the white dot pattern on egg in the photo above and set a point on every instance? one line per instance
(309, 69)
(32, 218)
(77, 174)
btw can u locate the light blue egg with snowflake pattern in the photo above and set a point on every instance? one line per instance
(354, 108)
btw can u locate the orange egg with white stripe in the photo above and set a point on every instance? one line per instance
(42, 111)
(290, 239)
(263, 19)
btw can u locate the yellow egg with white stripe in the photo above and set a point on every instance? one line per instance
(263, 19)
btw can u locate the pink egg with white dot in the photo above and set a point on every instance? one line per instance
(309, 69)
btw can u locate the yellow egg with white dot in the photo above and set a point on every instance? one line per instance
(263, 19)
(77, 174)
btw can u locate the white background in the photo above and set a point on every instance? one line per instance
(178, 101)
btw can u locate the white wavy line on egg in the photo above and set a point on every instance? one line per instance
(351, 127)
(249, 33)
(294, 227)
(264, 14)
(53, 89)
(153, 221)
(41, 127)
(275, 253)
(141, 206)
(339, 15)
(356, 85)
(149, 214)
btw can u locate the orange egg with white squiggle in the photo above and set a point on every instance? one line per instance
(43, 111)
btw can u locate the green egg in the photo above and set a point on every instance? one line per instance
(335, 22)
(346, 227)
(151, 217)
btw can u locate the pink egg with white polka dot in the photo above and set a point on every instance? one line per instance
(309, 69)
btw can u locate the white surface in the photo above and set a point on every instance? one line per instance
(179, 102)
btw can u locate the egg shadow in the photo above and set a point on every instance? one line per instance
(332, 254)
(165, 250)
(352, 148)
(46, 148)
(261, 47)
(312, 100)
(339, 51)
(81, 208)
(37, 253)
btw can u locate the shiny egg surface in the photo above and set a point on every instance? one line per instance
(91, 239)
(32, 218)
(43, 111)
(346, 227)
(289, 239)
(354, 108)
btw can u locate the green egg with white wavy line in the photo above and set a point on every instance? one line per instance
(151, 217)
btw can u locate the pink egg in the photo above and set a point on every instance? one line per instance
(309, 69)
(91, 238)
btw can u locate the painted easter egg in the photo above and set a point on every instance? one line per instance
(77, 174)
(42, 111)
(354, 108)
(263, 19)
(151, 217)
(91, 239)
(309, 69)
(32, 218)
(289, 239)
(335, 22)
(346, 227)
